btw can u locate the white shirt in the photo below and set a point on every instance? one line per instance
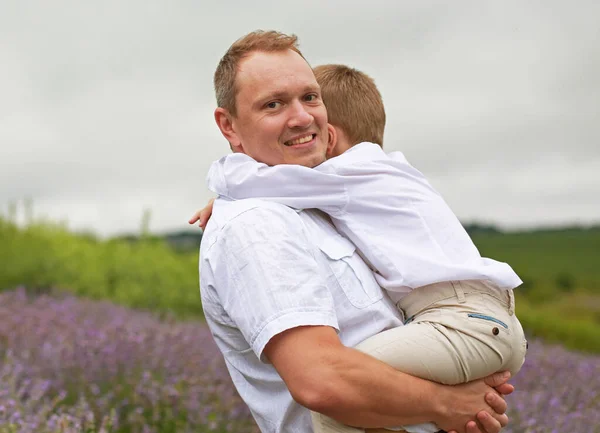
(401, 225)
(266, 268)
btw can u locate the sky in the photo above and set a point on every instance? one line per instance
(106, 108)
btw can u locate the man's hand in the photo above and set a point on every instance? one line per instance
(490, 419)
(202, 216)
(485, 422)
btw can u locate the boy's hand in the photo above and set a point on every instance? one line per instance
(202, 216)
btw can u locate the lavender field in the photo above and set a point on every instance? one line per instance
(73, 365)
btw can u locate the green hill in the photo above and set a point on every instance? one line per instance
(568, 259)
(560, 300)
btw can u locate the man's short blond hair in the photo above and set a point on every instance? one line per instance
(259, 40)
(353, 103)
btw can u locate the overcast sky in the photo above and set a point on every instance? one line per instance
(106, 107)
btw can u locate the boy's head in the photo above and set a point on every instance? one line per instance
(354, 105)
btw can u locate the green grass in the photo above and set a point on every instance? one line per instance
(566, 259)
(560, 300)
(146, 274)
(555, 323)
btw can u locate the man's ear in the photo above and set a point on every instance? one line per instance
(332, 141)
(225, 123)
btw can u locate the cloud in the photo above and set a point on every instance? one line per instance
(106, 109)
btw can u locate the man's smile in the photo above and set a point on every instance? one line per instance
(304, 139)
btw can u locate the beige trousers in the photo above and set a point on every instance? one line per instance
(455, 332)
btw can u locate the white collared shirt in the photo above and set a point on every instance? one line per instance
(400, 224)
(266, 268)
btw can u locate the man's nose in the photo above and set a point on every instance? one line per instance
(299, 117)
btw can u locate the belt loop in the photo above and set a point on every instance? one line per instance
(460, 294)
(511, 302)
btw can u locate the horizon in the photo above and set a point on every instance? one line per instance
(23, 217)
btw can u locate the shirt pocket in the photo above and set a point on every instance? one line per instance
(352, 274)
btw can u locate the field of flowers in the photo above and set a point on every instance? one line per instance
(82, 366)
(72, 365)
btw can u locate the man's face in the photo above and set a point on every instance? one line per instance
(280, 118)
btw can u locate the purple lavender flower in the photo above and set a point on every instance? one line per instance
(74, 365)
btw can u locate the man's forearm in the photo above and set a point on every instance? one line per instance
(357, 389)
(362, 391)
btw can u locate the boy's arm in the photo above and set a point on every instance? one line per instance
(239, 177)
(203, 215)
(356, 389)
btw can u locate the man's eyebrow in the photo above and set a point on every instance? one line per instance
(312, 88)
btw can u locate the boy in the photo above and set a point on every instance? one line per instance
(459, 307)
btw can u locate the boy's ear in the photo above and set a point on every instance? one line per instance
(225, 123)
(332, 141)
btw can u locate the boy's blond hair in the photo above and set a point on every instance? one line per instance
(353, 103)
(226, 73)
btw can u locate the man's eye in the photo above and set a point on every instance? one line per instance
(312, 97)
(272, 105)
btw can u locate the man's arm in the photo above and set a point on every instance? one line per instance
(276, 294)
(356, 389)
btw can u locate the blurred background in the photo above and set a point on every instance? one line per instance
(107, 133)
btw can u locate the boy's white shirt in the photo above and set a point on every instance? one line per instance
(401, 225)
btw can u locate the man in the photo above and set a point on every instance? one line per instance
(284, 294)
